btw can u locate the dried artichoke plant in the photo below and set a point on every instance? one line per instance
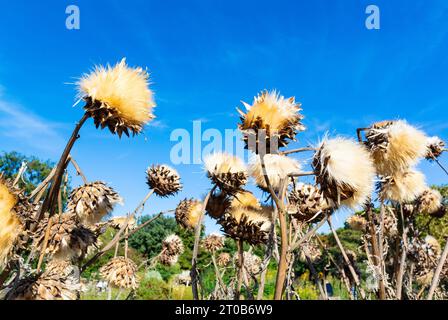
(271, 120)
(116, 97)
(16, 214)
(121, 272)
(60, 281)
(172, 248)
(227, 172)
(92, 202)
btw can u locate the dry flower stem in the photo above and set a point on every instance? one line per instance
(297, 150)
(346, 259)
(118, 236)
(78, 170)
(49, 202)
(197, 239)
(240, 246)
(283, 265)
(435, 279)
(309, 234)
(402, 266)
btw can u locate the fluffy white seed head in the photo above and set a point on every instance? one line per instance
(402, 146)
(345, 172)
(278, 168)
(403, 187)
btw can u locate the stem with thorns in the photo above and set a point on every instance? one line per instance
(402, 266)
(283, 265)
(50, 199)
(78, 170)
(240, 246)
(346, 259)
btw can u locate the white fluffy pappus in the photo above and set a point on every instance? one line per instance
(347, 166)
(278, 168)
(404, 186)
(222, 163)
(406, 145)
(274, 109)
(122, 88)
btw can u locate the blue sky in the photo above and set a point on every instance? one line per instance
(207, 56)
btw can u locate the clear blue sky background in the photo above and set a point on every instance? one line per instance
(207, 56)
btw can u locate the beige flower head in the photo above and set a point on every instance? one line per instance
(270, 117)
(173, 245)
(188, 213)
(228, 172)
(430, 201)
(118, 97)
(69, 240)
(395, 146)
(16, 214)
(278, 169)
(307, 203)
(213, 242)
(120, 272)
(344, 172)
(164, 180)
(402, 187)
(357, 222)
(60, 281)
(248, 223)
(93, 201)
(435, 148)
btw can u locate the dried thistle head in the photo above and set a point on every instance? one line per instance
(403, 186)
(164, 180)
(228, 172)
(68, 239)
(344, 172)
(167, 259)
(247, 223)
(93, 201)
(213, 242)
(188, 213)
(118, 97)
(118, 222)
(15, 215)
(60, 281)
(357, 222)
(390, 223)
(270, 117)
(312, 251)
(252, 263)
(426, 255)
(224, 259)
(120, 272)
(430, 201)
(278, 168)
(307, 203)
(173, 245)
(218, 204)
(395, 146)
(434, 148)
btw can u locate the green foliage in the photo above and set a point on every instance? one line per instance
(38, 170)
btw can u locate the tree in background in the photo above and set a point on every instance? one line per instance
(38, 170)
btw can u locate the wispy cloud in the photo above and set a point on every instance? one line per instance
(20, 125)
